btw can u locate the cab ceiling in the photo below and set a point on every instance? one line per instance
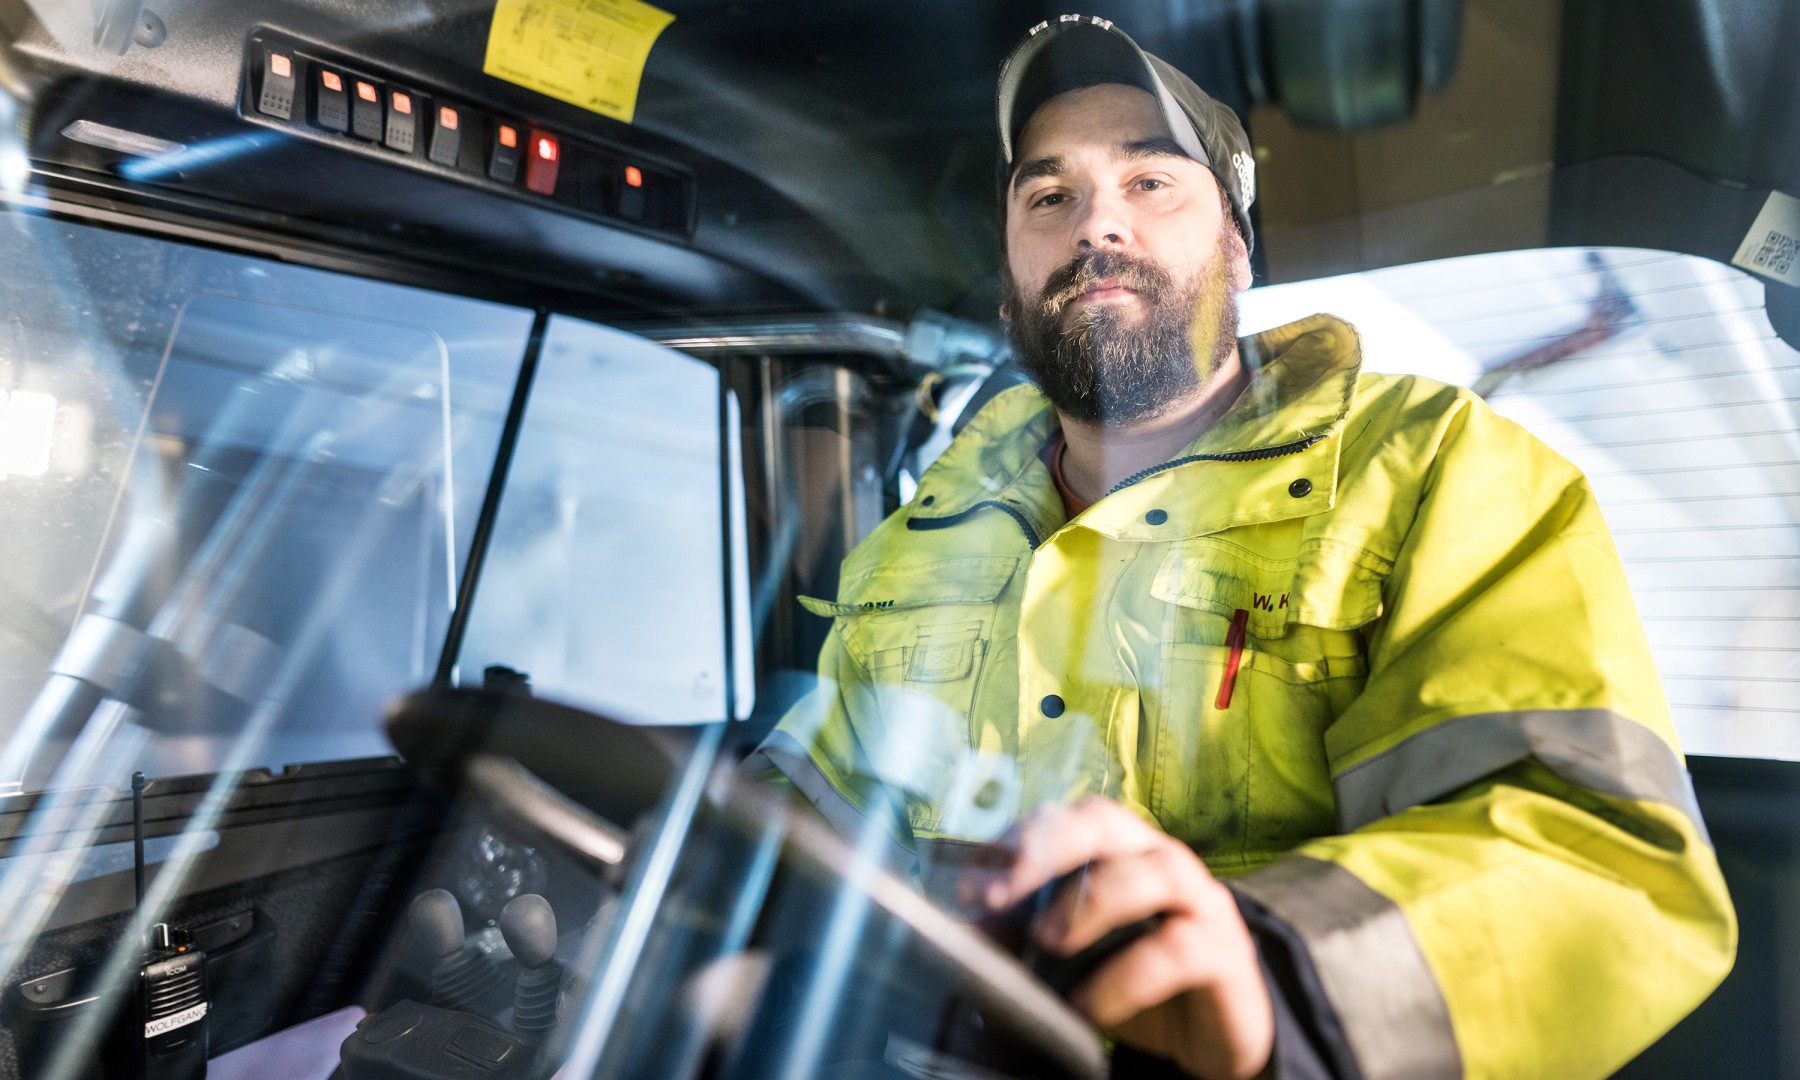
(846, 148)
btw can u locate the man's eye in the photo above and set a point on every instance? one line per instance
(1151, 184)
(1052, 199)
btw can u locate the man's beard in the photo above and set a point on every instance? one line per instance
(1101, 368)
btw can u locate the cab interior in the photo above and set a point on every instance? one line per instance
(416, 497)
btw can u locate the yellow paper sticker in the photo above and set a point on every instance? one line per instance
(589, 53)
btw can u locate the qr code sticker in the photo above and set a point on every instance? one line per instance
(1772, 246)
(1776, 256)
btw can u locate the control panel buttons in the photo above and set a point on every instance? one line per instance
(330, 97)
(446, 136)
(542, 160)
(503, 155)
(402, 131)
(331, 101)
(365, 111)
(277, 97)
(631, 194)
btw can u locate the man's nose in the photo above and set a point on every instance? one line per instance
(1106, 224)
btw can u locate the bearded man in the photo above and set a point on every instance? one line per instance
(1335, 673)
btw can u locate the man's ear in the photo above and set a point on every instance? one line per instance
(1004, 321)
(1241, 274)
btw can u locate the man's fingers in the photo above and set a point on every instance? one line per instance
(1058, 839)
(1192, 992)
(1121, 890)
(1169, 961)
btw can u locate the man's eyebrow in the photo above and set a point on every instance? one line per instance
(1159, 146)
(1036, 167)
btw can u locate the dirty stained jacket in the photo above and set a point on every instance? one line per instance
(1365, 646)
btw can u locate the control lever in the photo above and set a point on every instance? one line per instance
(529, 926)
(459, 976)
(1011, 929)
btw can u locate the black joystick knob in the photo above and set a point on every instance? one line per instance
(436, 924)
(529, 926)
(459, 977)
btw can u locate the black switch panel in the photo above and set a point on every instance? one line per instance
(365, 111)
(402, 132)
(330, 97)
(331, 101)
(277, 98)
(446, 135)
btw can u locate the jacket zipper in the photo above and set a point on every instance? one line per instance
(1031, 536)
(1264, 454)
(1234, 638)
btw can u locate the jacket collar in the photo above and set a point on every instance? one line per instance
(1303, 380)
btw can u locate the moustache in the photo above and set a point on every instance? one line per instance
(1083, 272)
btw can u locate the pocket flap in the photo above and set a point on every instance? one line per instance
(1223, 578)
(899, 588)
(1323, 586)
(1337, 586)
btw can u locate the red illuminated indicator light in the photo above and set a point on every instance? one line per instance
(402, 104)
(366, 91)
(634, 176)
(331, 81)
(509, 136)
(446, 118)
(546, 148)
(281, 65)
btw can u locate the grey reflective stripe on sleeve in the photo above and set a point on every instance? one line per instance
(785, 755)
(1597, 749)
(1386, 999)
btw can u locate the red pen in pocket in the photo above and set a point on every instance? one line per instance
(1234, 640)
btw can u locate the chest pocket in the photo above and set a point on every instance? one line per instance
(1231, 751)
(923, 633)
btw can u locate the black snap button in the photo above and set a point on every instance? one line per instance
(1157, 517)
(928, 500)
(1051, 706)
(1300, 488)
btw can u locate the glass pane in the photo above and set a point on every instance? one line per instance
(605, 581)
(1660, 377)
(236, 494)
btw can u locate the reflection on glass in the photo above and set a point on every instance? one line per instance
(1660, 377)
(604, 583)
(208, 462)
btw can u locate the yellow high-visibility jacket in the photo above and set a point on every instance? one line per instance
(1365, 646)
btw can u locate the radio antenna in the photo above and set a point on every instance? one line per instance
(137, 833)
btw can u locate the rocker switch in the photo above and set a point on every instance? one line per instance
(277, 97)
(402, 131)
(503, 155)
(331, 102)
(365, 111)
(446, 136)
(542, 160)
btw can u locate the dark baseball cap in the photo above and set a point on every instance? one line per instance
(1073, 51)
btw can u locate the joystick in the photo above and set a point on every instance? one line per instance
(1011, 929)
(529, 926)
(459, 978)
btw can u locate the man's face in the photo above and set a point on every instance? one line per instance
(1122, 266)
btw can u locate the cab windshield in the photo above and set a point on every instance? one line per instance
(521, 523)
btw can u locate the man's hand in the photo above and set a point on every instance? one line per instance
(1191, 990)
